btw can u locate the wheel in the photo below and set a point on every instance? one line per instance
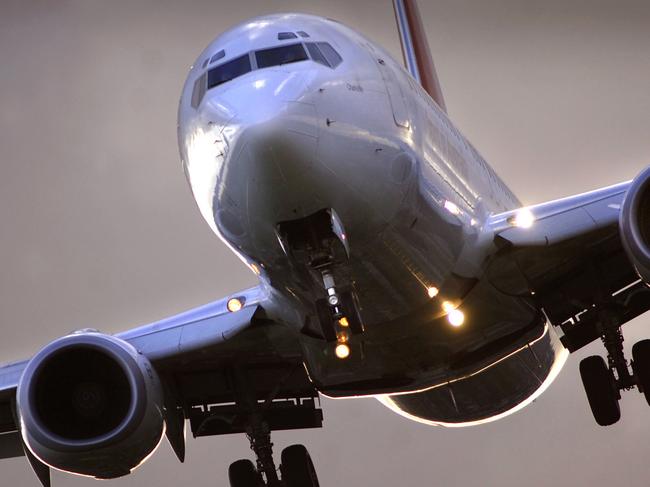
(601, 390)
(641, 366)
(351, 312)
(242, 473)
(297, 468)
(325, 320)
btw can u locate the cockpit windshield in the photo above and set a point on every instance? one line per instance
(319, 52)
(230, 70)
(277, 56)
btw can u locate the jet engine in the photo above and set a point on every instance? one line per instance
(634, 224)
(90, 404)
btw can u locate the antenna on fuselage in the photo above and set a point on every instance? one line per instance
(415, 48)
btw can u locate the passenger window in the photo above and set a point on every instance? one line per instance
(315, 54)
(277, 56)
(228, 71)
(283, 36)
(333, 57)
(199, 90)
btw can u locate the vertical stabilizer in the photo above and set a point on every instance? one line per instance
(415, 48)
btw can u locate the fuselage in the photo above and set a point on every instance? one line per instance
(287, 115)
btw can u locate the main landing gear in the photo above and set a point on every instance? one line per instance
(296, 469)
(604, 380)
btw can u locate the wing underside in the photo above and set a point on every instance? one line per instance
(573, 260)
(207, 358)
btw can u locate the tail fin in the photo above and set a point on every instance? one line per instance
(415, 48)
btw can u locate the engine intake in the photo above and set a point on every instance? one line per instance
(634, 224)
(91, 404)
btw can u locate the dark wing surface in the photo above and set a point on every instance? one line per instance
(573, 259)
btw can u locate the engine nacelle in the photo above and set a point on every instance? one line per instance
(90, 404)
(634, 224)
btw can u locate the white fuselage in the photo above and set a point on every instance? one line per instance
(281, 142)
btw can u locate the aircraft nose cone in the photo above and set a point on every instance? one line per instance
(269, 145)
(272, 161)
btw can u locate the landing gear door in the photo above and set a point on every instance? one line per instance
(395, 94)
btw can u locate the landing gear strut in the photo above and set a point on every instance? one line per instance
(259, 436)
(297, 468)
(319, 244)
(338, 314)
(604, 381)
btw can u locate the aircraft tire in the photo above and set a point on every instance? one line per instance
(600, 389)
(641, 366)
(242, 473)
(297, 467)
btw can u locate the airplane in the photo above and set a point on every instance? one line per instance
(393, 262)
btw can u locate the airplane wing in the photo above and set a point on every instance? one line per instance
(196, 355)
(571, 256)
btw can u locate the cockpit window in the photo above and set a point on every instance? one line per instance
(323, 53)
(333, 57)
(199, 90)
(320, 52)
(230, 70)
(217, 56)
(277, 56)
(302, 33)
(315, 53)
(283, 36)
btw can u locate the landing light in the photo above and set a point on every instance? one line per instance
(342, 336)
(342, 351)
(234, 305)
(344, 322)
(452, 207)
(432, 291)
(448, 306)
(524, 218)
(456, 318)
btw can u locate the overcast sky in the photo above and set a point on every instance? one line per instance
(98, 227)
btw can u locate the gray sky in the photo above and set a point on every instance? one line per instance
(98, 228)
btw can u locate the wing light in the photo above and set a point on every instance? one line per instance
(456, 318)
(448, 306)
(524, 218)
(234, 305)
(432, 291)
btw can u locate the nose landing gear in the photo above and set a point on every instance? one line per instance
(319, 243)
(338, 314)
